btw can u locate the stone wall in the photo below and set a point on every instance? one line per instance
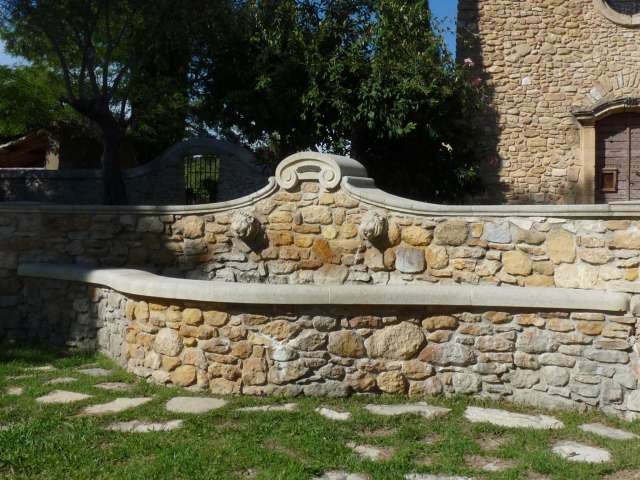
(541, 60)
(322, 222)
(159, 182)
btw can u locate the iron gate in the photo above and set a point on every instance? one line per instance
(201, 173)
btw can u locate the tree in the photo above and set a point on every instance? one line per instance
(367, 78)
(102, 51)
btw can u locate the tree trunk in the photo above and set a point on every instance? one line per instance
(114, 190)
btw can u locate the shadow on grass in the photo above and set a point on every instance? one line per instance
(38, 354)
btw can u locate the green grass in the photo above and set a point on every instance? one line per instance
(52, 442)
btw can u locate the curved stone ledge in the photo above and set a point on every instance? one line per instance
(145, 284)
(364, 189)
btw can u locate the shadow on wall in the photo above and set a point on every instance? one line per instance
(469, 46)
(159, 182)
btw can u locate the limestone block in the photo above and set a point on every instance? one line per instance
(316, 215)
(516, 262)
(184, 375)
(167, 342)
(447, 354)
(346, 343)
(416, 236)
(576, 276)
(497, 232)
(398, 342)
(391, 382)
(561, 246)
(437, 257)
(410, 260)
(451, 232)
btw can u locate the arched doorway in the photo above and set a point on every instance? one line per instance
(618, 157)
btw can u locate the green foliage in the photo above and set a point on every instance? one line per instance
(369, 78)
(30, 101)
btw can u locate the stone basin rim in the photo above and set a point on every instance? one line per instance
(145, 284)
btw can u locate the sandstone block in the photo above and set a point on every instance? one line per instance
(316, 214)
(391, 382)
(184, 375)
(561, 246)
(416, 236)
(516, 262)
(398, 342)
(451, 232)
(167, 342)
(192, 316)
(346, 343)
(576, 276)
(447, 354)
(437, 257)
(442, 322)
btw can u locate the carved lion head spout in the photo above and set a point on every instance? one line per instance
(373, 226)
(244, 226)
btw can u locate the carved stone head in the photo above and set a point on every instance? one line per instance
(244, 226)
(373, 226)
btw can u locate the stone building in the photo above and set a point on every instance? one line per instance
(563, 81)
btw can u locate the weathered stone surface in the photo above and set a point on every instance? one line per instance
(410, 260)
(398, 342)
(333, 414)
(316, 214)
(420, 408)
(14, 391)
(505, 418)
(346, 343)
(391, 382)
(447, 354)
(61, 381)
(578, 452)
(437, 257)
(115, 386)
(196, 405)
(280, 329)
(184, 375)
(561, 246)
(416, 236)
(286, 372)
(497, 232)
(61, 397)
(608, 432)
(116, 406)
(167, 342)
(533, 340)
(466, 382)
(287, 407)
(370, 452)
(576, 276)
(138, 426)
(339, 475)
(96, 372)
(516, 262)
(451, 232)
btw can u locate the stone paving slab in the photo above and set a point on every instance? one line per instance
(608, 432)
(115, 386)
(287, 407)
(15, 391)
(61, 381)
(18, 377)
(504, 418)
(62, 397)
(116, 406)
(43, 368)
(421, 408)
(4, 427)
(138, 426)
(578, 452)
(370, 452)
(335, 475)
(427, 476)
(95, 372)
(489, 464)
(333, 414)
(194, 404)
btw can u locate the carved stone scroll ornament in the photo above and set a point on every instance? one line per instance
(244, 226)
(328, 170)
(373, 226)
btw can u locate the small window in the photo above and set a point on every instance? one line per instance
(609, 180)
(201, 174)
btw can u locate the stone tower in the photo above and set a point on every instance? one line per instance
(563, 85)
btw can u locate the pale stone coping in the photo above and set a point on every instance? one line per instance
(364, 190)
(237, 203)
(145, 284)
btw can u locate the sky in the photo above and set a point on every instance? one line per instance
(442, 9)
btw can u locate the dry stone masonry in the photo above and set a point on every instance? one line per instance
(322, 222)
(547, 65)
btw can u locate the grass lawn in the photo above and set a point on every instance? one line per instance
(52, 442)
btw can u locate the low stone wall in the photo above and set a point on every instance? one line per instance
(159, 182)
(556, 359)
(322, 222)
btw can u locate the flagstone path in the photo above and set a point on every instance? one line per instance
(116, 406)
(62, 396)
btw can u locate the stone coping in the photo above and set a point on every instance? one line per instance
(364, 190)
(145, 284)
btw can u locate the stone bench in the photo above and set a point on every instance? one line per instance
(550, 347)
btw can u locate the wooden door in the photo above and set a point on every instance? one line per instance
(618, 158)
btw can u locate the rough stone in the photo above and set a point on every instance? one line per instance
(578, 452)
(608, 432)
(62, 397)
(410, 260)
(196, 405)
(508, 419)
(420, 408)
(447, 354)
(346, 343)
(116, 406)
(561, 246)
(333, 414)
(138, 426)
(516, 262)
(451, 232)
(167, 342)
(437, 257)
(398, 342)
(96, 372)
(287, 407)
(391, 382)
